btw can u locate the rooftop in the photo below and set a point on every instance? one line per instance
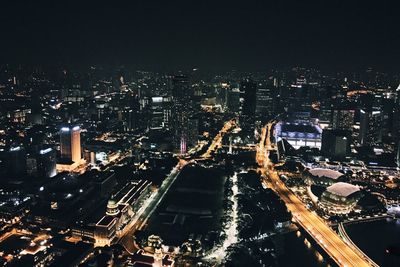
(303, 128)
(343, 189)
(321, 172)
(106, 220)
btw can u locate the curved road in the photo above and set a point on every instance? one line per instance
(341, 252)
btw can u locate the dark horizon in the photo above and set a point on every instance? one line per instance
(251, 36)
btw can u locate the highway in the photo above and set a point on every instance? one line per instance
(341, 252)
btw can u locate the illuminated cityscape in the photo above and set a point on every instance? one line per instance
(210, 133)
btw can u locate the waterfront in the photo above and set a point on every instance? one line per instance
(292, 249)
(375, 237)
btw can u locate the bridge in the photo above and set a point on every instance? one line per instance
(347, 239)
(344, 254)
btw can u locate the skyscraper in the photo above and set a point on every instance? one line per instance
(233, 101)
(336, 143)
(343, 119)
(264, 102)
(398, 155)
(46, 163)
(183, 109)
(396, 115)
(16, 161)
(70, 142)
(249, 88)
(370, 127)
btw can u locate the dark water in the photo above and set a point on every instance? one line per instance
(193, 205)
(295, 252)
(375, 237)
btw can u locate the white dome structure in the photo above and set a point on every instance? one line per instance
(340, 198)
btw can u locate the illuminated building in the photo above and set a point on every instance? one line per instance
(120, 210)
(343, 119)
(264, 102)
(398, 155)
(117, 215)
(370, 127)
(46, 163)
(160, 112)
(340, 198)
(183, 107)
(70, 143)
(323, 177)
(299, 133)
(396, 115)
(13, 206)
(141, 258)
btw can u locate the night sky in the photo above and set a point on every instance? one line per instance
(247, 35)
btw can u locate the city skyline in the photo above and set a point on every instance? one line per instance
(208, 133)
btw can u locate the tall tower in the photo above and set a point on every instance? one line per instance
(230, 145)
(398, 155)
(70, 142)
(46, 162)
(370, 127)
(16, 161)
(182, 110)
(264, 101)
(250, 96)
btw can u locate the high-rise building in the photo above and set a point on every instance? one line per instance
(46, 163)
(193, 131)
(398, 155)
(336, 143)
(388, 112)
(17, 161)
(233, 101)
(182, 111)
(343, 119)
(264, 102)
(70, 143)
(160, 112)
(370, 127)
(396, 115)
(222, 95)
(249, 89)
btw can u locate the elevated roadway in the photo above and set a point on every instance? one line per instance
(344, 254)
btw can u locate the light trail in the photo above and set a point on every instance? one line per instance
(217, 142)
(231, 229)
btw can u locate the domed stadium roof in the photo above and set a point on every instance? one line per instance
(112, 203)
(343, 189)
(321, 172)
